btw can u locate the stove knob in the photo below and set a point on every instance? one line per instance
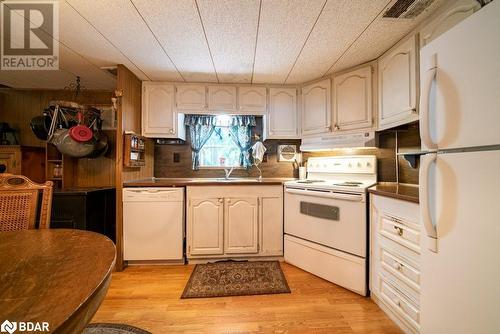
(359, 164)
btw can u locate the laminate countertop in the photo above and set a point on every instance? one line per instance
(405, 192)
(182, 182)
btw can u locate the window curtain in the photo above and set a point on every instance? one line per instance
(201, 128)
(240, 128)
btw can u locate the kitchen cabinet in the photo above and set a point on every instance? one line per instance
(316, 112)
(222, 224)
(252, 100)
(397, 84)
(205, 225)
(159, 118)
(222, 98)
(241, 225)
(282, 121)
(458, 11)
(395, 259)
(352, 100)
(191, 98)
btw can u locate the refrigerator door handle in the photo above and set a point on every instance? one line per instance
(430, 75)
(430, 228)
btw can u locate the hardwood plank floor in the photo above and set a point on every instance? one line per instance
(149, 297)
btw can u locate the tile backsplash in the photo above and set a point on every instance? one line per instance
(175, 160)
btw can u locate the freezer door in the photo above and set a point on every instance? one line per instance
(460, 285)
(460, 84)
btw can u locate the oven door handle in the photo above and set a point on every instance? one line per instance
(324, 194)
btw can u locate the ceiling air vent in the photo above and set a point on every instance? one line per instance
(407, 9)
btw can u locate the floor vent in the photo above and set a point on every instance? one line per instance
(407, 9)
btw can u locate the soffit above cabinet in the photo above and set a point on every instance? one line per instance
(217, 41)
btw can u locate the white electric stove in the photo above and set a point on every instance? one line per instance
(326, 219)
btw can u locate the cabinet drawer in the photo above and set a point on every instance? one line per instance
(399, 303)
(401, 231)
(400, 268)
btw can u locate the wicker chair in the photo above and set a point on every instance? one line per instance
(19, 202)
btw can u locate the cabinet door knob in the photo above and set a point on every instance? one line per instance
(220, 200)
(171, 131)
(336, 127)
(229, 200)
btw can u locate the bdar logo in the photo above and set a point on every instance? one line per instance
(8, 326)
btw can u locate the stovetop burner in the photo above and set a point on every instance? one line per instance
(310, 181)
(348, 184)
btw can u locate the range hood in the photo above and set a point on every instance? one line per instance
(336, 141)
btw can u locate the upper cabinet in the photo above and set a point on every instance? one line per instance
(316, 114)
(191, 97)
(282, 120)
(397, 78)
(222, 98)
(252, 100)
(352, 100)
(159, 118)
(447, 19)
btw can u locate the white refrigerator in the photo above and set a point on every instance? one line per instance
(460, 177)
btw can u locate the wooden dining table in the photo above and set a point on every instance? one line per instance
(57, 277)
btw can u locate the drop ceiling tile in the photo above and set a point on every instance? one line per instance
(119, 21)
(283, 29)
(79, 35)
(380, 36)
(177, 26)
(340, 23)
(231, 27)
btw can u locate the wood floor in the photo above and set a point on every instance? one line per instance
(148, 297)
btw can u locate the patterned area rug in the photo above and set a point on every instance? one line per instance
(105, 328)
(231, 278)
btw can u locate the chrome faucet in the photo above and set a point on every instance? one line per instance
(228, 172)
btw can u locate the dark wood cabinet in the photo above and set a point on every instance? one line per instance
(91, 209)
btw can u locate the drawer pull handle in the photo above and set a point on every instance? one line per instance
(398, 266)
(399, 230)
(397, 302)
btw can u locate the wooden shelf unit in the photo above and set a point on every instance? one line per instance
(134, 150)
(53, 158)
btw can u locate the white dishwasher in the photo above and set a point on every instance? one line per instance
(153, 224)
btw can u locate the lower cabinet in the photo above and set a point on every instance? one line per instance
(223, 224)
(395, 260)
(206, 226)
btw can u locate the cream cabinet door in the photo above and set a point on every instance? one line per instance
(398, 85)
(271, 220)
(159, 119)
(450, 17)
(205, 232)
(352, 100)
(241, 225)
(283, 118)
(222, 98)
(191, 97)
(316, 115)
(252, 100)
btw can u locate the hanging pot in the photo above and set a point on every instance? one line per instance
(81, 133)
(40, 126)
(70, 147)
(101, 142)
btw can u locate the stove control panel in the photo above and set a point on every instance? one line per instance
(357, 164)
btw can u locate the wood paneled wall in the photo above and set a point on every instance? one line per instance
(129, 88)
(18, 107)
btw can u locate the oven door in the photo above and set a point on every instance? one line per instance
(332, 219)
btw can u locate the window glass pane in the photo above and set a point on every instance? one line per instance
(220, 150)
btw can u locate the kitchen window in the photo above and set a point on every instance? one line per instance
(220, 150)
(220, 141)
